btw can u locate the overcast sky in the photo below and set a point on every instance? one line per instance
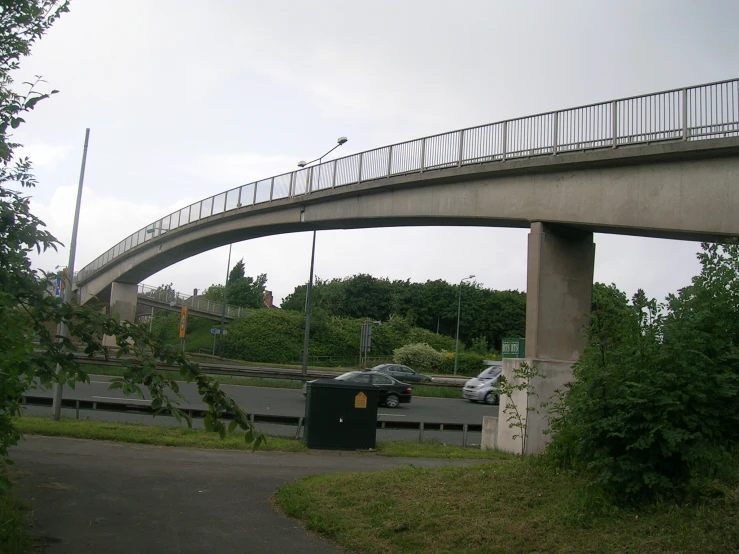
(187, 98)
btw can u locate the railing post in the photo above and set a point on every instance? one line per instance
(614, 123)
(238, 200)
(685, 114)
(390, 161)
(309, 188)
(361, 157)
(291, 188)
(271, 188)
(423, 154)
(461, 148)
(333, 178)
(555, 136)
(225, 198)
(505, 139)
(254, 197)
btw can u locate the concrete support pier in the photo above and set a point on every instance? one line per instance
(123, 297)
(558, 301)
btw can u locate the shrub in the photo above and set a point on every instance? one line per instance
(420, 356)
(653, 411)
(468, 363)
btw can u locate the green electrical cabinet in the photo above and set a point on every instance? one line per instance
(340, 415)
(514, 348)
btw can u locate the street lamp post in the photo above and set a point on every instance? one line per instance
(223, 308)
(309, 291)
(56, 401)
(459, 313)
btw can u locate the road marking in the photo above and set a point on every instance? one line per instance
(393, 415)
(126, 399)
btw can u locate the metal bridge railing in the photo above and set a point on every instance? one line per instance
(693, 113)
(174, 298)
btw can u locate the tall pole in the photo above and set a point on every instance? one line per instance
(309, 291)
(56, 403)
(223, 309)
(459, 313)
(308, 296)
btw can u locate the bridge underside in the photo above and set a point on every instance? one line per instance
(682, 190)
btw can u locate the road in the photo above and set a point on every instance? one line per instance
(94, 496)
(290, 402)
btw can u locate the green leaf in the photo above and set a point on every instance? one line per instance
(232, 426)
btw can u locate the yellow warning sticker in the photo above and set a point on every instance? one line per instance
(360, 401)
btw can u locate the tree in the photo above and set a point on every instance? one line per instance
(246, 292)
(237, 272)
(30, 351)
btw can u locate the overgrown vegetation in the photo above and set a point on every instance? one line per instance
(653, 412)
(14, 515)
(515, 507)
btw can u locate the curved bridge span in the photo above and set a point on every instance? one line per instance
(660, 165)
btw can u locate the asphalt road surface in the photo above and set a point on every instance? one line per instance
(290, 402)
(91, 496)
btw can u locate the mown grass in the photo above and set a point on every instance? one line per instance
(198, 438)
(418, 390)
(14, 537)
(515, 507)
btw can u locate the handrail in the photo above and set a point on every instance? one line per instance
(174, 298)
(699, 112)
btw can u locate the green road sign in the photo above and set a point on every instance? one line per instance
(514, 348)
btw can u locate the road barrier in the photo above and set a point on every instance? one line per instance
(265, 372)
(140, 406)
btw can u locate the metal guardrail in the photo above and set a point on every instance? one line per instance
(264, 372)
(692, 113)
(124, 405)
(174, 298)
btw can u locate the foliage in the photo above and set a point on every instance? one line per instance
(243, 291)
(420, 356)
(468, 363)
(432, 305)
(653, 410)
(28, 311)
(238, 271)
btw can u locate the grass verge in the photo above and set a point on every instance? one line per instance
(198, 438)
(14, 538)
(418, 390)
(515, 507)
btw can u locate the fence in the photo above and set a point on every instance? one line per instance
(173, 298)
(693, 113)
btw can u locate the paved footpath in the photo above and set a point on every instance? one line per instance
(104, 497)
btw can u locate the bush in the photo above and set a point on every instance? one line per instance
(654, 408)
(468, 363)
(420, 356)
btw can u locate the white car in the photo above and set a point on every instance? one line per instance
(484, 387)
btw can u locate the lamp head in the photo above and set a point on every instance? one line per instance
(342, 140)
(302, 163)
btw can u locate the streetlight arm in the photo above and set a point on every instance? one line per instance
(341, 141)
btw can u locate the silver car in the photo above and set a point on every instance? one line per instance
(484, 387)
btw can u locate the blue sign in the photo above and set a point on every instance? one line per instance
(58, 288)
(215, 331)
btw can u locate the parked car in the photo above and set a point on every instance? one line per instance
(392, 392)
(484, 387)
(402, 373)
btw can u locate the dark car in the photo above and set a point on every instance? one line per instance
(392, 392)
(402, 373)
